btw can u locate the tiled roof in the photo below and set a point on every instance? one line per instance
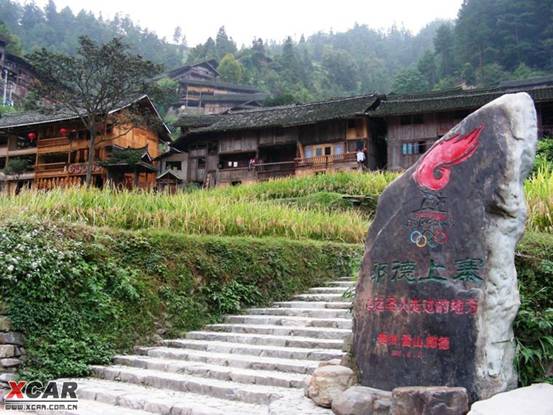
(29, 118)
(459, 99)
(291, 115)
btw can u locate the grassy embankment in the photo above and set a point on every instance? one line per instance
(179, 261)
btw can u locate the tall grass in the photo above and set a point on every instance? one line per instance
(351, 183)
(247, 210)
(198, 212)
(539, 195)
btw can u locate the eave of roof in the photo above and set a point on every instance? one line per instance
(32, 118)
(291, 115)
(457, 99)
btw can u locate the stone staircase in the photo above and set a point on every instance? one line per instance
(254, 363)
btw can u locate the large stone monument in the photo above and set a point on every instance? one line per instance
(437, 294)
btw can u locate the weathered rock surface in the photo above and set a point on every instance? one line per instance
(535, 400)
(437, 294)
(328, 382)
(362, 400)
(437, 400)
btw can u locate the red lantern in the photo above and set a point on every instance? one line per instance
(64, 132)
(31, 136)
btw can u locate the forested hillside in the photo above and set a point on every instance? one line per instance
(60, 30)
(491, 41)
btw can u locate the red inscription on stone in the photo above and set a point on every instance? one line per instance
(424, 306)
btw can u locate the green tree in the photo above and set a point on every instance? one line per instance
(224, 44)
(99, 79)
(410, 81)
(490, 75)
(444, 42)
(230, 69)
(342, 69)
(427, 67)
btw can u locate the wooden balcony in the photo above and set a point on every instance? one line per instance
(322, 162)
(267, 171)
(233, 175)
(53, 145)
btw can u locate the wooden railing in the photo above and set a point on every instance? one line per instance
(278, 169)
(50, 167)
(235, 175)
(325, 161)
(52, 142)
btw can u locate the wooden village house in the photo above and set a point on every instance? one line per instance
(259, 144)
(201, 91)
(17, 76)
(54, 150)
(414, 122)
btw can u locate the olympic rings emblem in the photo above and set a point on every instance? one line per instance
(432, 239)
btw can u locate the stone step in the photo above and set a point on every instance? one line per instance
(256, 350)
(339, 323)
(266, 339)
(302, 312)
(320, 297)
(342, 283)
(213, 371)
(315, 332)
(231, 359)
(127, 396)
(329, 290)
(90, 407)
(234, 391)
(348, 279)
(313, 304)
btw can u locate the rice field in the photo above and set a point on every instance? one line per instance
(198, 212)
(248, 210)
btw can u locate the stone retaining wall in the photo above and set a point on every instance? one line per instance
(12, 352)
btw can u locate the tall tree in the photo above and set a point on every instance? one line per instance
(223, 43)
(230, 69)
(90, 85)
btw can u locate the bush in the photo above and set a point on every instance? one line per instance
(534, 323)
(81, 294)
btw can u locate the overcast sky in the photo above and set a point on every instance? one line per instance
(274, 19)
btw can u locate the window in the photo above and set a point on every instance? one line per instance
(318, 151)
(212, 148)
(328, 151)
(308, 152)
(408, 149)
(405, 120)
(201, 163)
(411, 119)
(418, 119)
(173, 165)
(339, 149)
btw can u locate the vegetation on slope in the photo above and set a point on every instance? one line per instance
(96, 275)
(81, 294)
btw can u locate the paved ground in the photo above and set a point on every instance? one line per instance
(254, 363)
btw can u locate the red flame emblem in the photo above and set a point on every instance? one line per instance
(434, 169)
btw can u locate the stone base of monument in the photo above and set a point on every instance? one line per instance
(362, 400)
(328, 382)
(429, 400)
(536, 400)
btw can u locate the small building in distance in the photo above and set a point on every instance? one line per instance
(51, 150)
(17, 76)
(201, 91)
(414, 122)
(259, 144)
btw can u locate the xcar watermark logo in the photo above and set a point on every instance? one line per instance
(35, 396)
